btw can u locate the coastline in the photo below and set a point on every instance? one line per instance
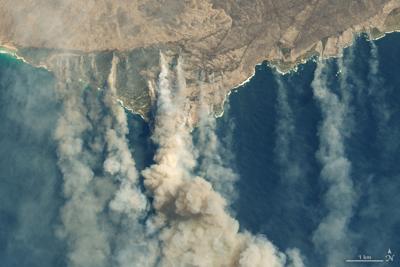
(13, 52)
(319, 55)
(315, 58)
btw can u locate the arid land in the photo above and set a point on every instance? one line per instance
(220, 41)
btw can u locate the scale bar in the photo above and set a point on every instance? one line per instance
(364, 260)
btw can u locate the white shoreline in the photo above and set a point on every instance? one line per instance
(8, 51)
(130, 109)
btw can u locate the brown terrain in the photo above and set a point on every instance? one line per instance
(220, 41)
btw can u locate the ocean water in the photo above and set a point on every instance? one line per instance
(281, 138)
(30, 181)
(28, 172)
(280, 200)
(276, 142)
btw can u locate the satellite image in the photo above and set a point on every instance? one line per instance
(199, 133)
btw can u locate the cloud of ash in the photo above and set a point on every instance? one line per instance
(332, 235)
(133, 246)
(100, 219)
(87, 239)
(195, 229)
(104, 217)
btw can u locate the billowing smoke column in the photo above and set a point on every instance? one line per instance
(133, 246)
(332, 235)
(85, 233)
(195, 229)
(100, 219)
(119, 161)
(106, 219)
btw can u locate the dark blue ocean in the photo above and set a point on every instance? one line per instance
(276, 142)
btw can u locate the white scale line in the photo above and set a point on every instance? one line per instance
(364, 260)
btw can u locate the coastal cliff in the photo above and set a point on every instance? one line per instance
(219, 42)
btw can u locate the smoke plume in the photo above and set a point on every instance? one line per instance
(106, 219)
(104, 205)
(331, 235)
(87, 240)
(285, 135)
(295, 258)
(195, 228)
(133, 246)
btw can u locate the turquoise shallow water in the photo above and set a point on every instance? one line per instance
(273, 145)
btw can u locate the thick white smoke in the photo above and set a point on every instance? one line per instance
(196, 229)
(100, 219)
(133, 247)
(104, 207)
(87, 240)
(332, 235)
(119, 161)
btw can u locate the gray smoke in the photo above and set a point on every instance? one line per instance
(376, 191)
(87, 239)
(195, 228)
(285, 134)
(101, 217)
(295, 258)
(134, 247)
(332, 235)
(291, 169)
(119, 162)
